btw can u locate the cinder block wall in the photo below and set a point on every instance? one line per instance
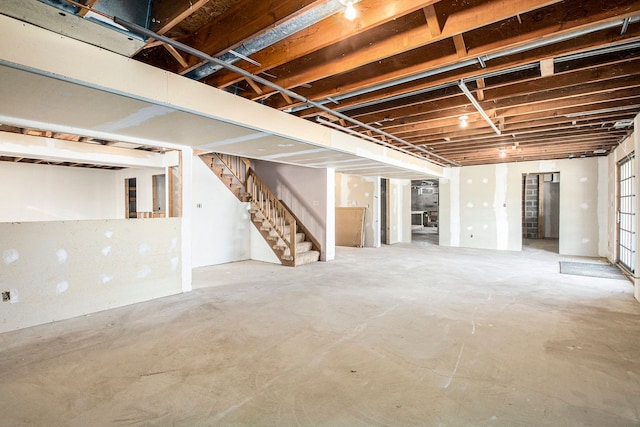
(530, 206)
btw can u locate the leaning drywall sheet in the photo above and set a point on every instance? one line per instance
(350, 227)
(57, 270)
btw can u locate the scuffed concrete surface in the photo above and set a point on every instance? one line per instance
(402, 335)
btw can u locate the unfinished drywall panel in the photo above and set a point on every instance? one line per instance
(358, 191)
(449, 216)
(304, 191)
(486, 203)
(36, 192)
(60, 269)
(399, 211)
(154, 105)
(220, 222)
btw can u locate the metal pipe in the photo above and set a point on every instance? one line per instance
(274, 35)
(188, 49)
(625, 26)
(438, 87)
(476, 104)
(475, 61)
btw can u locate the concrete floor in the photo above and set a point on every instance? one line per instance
(402, 335)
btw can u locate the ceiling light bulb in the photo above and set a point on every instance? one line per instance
(350, 12)
(503, 153)
(464, 121)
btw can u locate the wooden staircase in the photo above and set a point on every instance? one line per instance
(286, 235)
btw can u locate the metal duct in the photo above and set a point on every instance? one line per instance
(280, 32)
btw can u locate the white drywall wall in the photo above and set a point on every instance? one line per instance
(55, 270)
(220, 222)
(305, 192)
(358, 191)
(260, 250)
(482, 204)
(36, 192)
(399, 211)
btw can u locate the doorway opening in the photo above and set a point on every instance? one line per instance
(131, 204)
(541, 211)
(159, 196)
(626, 214)
(384, 211)
(425, 211)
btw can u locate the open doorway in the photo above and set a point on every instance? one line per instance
(131, 203)
(425, 211)
(384, 211)
(159, 196)
(541, 211)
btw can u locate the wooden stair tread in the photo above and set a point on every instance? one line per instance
(278, 243)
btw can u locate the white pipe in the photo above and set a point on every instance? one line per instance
(476, 104)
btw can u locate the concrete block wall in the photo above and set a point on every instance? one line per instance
(530, 206)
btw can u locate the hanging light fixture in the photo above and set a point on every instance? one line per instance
(464, 121)
(350, 11)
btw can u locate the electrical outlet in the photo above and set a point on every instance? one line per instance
(6, 296)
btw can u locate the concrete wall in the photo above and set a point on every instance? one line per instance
(60, 269)
(306, 192)
(358, 191)
(481, 206)
(33, 192)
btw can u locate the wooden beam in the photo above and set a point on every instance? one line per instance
(461, 47)
(90, 4)
(286, 98)
(586, 42)
(172, 50)
(433, 21)
(409, 42)
(254, 86)
(347, 82)
(319, 36)
(244, 20)
(169, 13)
(481, 85)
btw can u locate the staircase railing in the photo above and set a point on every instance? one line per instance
(237, 165)
(273, 210)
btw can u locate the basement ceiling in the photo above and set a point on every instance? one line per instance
(535, 79)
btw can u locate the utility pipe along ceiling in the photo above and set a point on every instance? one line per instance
(535, 79)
